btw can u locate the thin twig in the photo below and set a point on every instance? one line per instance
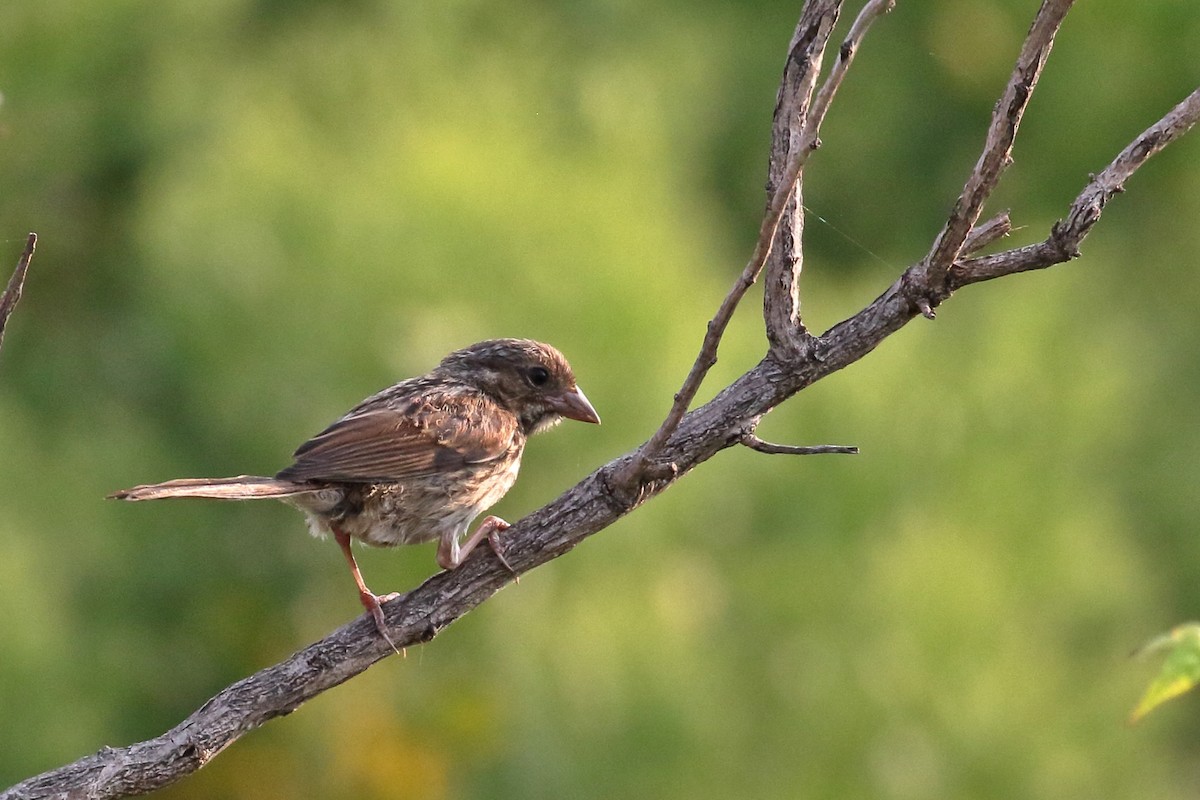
(996, 155)
(812, 35)
(1066, 235)
(797, 158)
(12, 292)
(755, 443)
(870, 12)
(984, 234)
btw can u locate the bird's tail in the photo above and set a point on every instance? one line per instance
(243, 487)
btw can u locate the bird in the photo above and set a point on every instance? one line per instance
(417, 461)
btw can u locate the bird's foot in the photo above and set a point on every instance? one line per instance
(496, 526)
(451, 554)
(374, 605)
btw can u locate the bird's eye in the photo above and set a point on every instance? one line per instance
(538, 376)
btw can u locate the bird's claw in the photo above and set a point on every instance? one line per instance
(374, 605)
(498, 548)
(498, 526)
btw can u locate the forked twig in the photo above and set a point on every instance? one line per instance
(996, 155)
(796, 128)
(797, 158)
(1066, 235)
(870, 12)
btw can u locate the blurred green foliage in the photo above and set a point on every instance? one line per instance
(1180, 672)
(253, 213)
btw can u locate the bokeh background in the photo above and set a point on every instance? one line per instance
(254, 212)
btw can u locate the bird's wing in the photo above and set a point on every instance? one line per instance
(387, 444)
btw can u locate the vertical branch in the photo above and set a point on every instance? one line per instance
(805, 52)
(12, 292)
(996, 155)
(781, 294)
(793, 140)
(795, 130)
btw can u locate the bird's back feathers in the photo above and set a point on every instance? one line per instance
(401, 434)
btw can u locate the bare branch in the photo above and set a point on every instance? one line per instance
(139, 768)
(981, 236)
(804, 53)
(1066, 235)
(796, 131)
(872, 11)
(755, 443)
(996, 155)
(12, 292)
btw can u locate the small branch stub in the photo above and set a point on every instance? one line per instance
(925, 308)
(985, 233)
(755, 443)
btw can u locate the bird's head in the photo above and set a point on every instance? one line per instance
(531, 379)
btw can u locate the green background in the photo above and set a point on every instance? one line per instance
(253, 213)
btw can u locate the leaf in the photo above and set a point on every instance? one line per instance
(1180, 670)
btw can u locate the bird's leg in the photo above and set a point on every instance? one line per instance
(450, 553)
(371, 601)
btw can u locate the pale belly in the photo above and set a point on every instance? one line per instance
(388, 515)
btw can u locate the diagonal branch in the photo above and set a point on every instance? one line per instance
(804, 54)
(995, 158)
(1065, 236)
(794, 139)
(12, 292)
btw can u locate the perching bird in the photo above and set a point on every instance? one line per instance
(420, 460)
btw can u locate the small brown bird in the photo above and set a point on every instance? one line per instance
(420, 460)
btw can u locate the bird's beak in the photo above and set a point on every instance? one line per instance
(574, 405)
